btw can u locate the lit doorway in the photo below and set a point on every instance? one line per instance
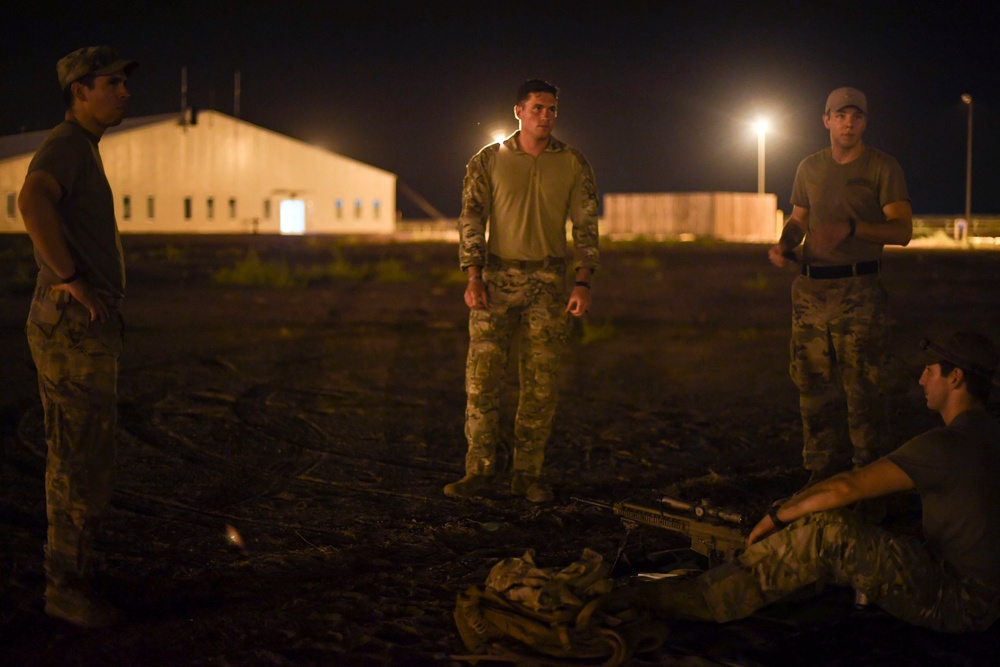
(292, 216)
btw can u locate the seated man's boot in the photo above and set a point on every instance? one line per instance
(470, 486)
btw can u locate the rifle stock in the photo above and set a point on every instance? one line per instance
(714, 541)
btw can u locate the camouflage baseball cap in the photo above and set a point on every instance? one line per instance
(99, 60)
(972, 352)
(846, 97)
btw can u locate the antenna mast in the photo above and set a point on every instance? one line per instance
(236, 95)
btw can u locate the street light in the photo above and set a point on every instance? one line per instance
(761, 127)
(967, 99)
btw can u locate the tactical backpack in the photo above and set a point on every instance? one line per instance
(524, 610)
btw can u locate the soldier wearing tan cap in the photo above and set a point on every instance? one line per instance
(849, 200)
(75, 326)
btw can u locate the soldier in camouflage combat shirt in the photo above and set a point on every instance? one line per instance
(522, 191)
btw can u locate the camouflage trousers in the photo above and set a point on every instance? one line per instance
(77, 363)
(526, 307)
(897, 573)
(838, 349)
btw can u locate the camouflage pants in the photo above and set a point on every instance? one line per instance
(77, 363)
(838, 349)
(526, 306)
(897, 573)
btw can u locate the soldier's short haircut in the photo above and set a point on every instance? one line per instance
(977, 385)
(534, 86)
(87, 80)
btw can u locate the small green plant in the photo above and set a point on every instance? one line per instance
(20, 280)
(595, 333)
(173, 253)
(392, 271)
(252, 271)
(339, 270)
(759, 283)
(648, 263)
(450, 276)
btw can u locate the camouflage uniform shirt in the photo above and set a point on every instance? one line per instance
(526, 202)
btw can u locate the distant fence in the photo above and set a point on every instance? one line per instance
(728, 216)
(923, 226)
(950, 226)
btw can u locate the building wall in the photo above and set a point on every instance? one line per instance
(12, 173)
(165, 174)
(728, 216)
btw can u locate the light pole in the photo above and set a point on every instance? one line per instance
(761, 127)
(967, 99)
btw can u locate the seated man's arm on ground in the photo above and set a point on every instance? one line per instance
(876, 479)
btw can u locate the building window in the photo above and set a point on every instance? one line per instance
(375, 208)
(211, 207)
(11, 205)
(127, 207)
(187, 208)
(340, 209)
(267, 209)
(357, 208)
(232, 207)
(150, 207)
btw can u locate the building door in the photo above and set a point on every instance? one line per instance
(292, 216)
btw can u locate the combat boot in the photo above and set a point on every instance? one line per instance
(531, 487)
(80, 606)
(470, 486)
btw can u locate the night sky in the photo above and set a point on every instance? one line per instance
(660, 96)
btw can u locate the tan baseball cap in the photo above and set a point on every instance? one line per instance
(846, 97)
(99, 60)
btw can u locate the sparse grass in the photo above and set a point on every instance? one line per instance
(450, 276)
(173, 253)
(759, 283)
(252, 271)
(648, 263)
(339, 270)
(595, 333)
(19, 278)
(392, 271)
(641, 241)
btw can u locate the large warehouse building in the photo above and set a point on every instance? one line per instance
(213, 173)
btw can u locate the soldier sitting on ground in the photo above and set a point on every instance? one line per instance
(949, 582)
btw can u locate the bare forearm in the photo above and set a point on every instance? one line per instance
(791, 235)
(43, 224)
(896, 231)
(838, 491)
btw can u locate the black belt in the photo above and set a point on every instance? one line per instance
(525, 264)
(842, 271)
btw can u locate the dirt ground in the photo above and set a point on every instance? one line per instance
(322, 420)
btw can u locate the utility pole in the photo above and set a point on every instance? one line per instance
(968, 166)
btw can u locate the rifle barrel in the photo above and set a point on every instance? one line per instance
(595, 503)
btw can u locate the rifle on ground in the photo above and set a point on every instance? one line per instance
(706, 525)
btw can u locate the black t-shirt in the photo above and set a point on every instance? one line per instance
(69, 154)
(956, 470)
